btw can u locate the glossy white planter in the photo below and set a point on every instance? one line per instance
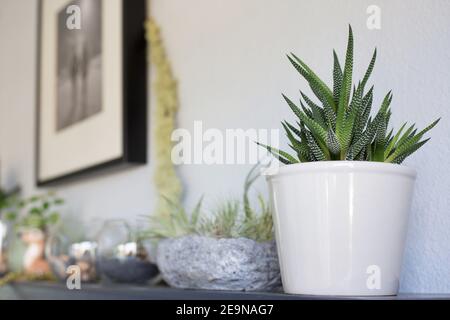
(341, 225)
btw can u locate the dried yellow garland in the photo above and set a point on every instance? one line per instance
(23, 277)
(166, 180)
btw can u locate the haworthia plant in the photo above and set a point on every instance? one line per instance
(339, 126)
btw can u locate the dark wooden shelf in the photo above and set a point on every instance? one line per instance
(58, 291)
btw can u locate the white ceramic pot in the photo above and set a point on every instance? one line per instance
(341, 226)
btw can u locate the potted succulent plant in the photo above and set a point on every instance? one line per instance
(341, 202)
(32, 219)
(231, 249)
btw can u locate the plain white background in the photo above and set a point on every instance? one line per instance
(229, 57)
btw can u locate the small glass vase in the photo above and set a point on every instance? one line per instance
(63, 255)
(121, 256)
(3, 248)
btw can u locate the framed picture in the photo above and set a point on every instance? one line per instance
(91, 87)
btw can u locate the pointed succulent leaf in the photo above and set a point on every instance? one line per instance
(361, 156)
(297, 132)
(368, 152)
(329, 109)
(386, 103)
(282, 156)
(410, 142)
(412, 134)
(196, 213)
(413, 137)
(380, 134)
(315, 149)
(330, 116)
(357, 100)
(333, 143)
(316, 84)
(346, 85)
(368, 135)
(351, 124)
(317, 112)
(337, 79)
(369, 69)
(318, 132)
(362, 119)
(388, 138)
(307, 111)
(406, 135)
(380, 140)
(368, 100)
(393, 141)
(296, 110)
(350, 156)
(409, 152)
(380, 137)
(302, 152)
(348, 131)
(388, 117)
(300, 148)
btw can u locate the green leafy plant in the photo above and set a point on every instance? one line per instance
(231, 219)
(7, 199)
(339, 126)
(4, 200)
(177, 223)
(37, 212)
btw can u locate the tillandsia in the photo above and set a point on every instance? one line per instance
(231, 219)
(339, 124)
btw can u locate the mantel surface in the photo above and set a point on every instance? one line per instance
(58, 291)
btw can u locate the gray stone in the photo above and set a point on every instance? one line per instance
(198, 262)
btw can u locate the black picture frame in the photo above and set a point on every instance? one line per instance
(134, 104)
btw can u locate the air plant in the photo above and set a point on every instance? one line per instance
(339, 125)
(231, 219)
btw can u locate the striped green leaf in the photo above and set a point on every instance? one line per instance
(315, 149)
(333, 142)
(317, 85)
(282, 156)
(346, 86)
(369, 69)
(297, 145)
(337, 79)
(409, 142)
(409, 152)
(393, 141)
(315, 128)
(317, 112)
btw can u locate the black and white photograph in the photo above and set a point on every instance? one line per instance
(79, 65)
(90, 51)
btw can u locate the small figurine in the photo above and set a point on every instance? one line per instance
(34, 261)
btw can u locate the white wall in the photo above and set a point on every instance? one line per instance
(229, 58)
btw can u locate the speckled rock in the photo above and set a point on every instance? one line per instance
(198, 262)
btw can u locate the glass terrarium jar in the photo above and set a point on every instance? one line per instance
(3, 248)
(62, 254)
(121, 256)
